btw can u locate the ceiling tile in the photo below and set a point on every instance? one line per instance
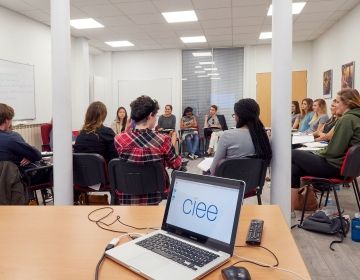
(189, 33)
(128, 1)
(218, 31)
(163, 35)
(323, 6)
(211, 4)
(115, 21)
(173, 6)
(147, 19)
(221, 44)
(221, 13)
(40, 4)
(247, 21)
(250, 2)
(17, 5)
(101, 10)
(216, 23)
(137, 8)
(247, 29)
(249, 11)
(184, 25)
(76, 13)
(217, 38)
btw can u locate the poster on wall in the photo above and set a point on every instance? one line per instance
(327, 84)
(347, 75)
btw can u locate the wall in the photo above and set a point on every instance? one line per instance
(258, 60)
(338, 46)
(27, 41)
(138, 65)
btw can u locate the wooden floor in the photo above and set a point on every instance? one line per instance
(322, 263)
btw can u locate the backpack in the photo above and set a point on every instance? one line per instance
(319, 222)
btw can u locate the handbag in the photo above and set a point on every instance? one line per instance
(311, 203)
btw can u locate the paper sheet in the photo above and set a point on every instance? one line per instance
(301, 139)
(95, 187)
(205, 164)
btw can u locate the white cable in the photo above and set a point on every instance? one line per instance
(271, 266)
(116, 240)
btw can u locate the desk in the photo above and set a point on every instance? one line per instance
(60, 243)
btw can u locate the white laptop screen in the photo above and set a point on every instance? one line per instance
(208, 210)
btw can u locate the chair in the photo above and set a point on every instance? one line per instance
(349, 171)
(251, 170)
(12, 191)
(89, 170)
(136, 179)
(45, 130)
(182, 143)
(39, 178)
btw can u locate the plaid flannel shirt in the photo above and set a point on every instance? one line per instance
(144, 146)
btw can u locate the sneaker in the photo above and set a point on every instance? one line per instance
(195, 156)
(192, 156)
(48, 196)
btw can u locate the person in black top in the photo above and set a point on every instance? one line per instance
(94, 137)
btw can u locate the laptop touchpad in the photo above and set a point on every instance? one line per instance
(146, 262)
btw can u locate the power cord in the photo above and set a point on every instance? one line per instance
(111, 245)
(262, 264)
(105, 226)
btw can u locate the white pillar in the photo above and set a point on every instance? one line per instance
(80, 88)
(281, 91)
(60, 47)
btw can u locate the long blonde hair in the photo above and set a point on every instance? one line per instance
(95, 116)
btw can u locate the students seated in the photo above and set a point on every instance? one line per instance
(306, 114)
(213, 128)
(319, 118)
(295, 115)
(247, 139)
(327, 163)
(143, 145)
(121, 121)
(13, 147)
(189, 129)
(166, 124)
(327, 131)
(94, 137)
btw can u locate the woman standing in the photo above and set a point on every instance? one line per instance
(121, 121)
(306, 114)
(190, 134)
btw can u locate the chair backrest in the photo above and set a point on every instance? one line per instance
(89, 169)
(251, 170)
(45, 130)
(351, 164)
(222, 122)
(136, 179)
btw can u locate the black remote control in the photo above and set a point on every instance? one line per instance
(255, 232)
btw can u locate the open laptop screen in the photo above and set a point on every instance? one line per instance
(206, 206)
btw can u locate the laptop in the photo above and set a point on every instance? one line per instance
(197, 234)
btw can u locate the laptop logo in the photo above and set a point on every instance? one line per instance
(200, 209)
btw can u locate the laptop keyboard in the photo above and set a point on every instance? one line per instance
(178, 251)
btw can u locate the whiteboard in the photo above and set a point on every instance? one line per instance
(17, 88)
(159, 89)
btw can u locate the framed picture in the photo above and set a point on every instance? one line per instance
(327, 83)
(347, 75)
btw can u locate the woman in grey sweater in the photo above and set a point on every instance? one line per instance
(166, 124)
(247, 139)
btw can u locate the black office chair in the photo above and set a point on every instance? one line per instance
(89, 170)
(134, 180)
(251, 170)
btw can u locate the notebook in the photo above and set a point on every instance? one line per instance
(197, 234)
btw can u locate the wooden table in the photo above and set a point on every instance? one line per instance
(61, 243)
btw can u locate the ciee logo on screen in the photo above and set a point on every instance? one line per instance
(200, 209)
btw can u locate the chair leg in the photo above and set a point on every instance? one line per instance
(259, 199)
(357, 192)
(327, 196)
(339, 210)
(304, 206)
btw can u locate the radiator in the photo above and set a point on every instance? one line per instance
(31, 134)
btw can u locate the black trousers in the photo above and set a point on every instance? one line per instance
(305, 163)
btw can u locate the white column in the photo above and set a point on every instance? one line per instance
(281, 91)
(60, 47)
(80, 88)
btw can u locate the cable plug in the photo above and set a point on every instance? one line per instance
(112, 243)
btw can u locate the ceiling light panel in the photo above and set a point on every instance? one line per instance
(193, 39)
(265, 35)
(118, 44)
(182, 16)
(85, 23)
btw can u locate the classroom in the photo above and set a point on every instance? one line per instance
(230, 127)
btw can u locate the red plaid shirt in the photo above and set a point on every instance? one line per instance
(143, 146)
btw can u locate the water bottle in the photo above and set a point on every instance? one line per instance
(330, 208)
(355, 228)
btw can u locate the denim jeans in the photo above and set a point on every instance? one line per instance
(192, 143)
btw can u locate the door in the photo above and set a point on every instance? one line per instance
(263, 92)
